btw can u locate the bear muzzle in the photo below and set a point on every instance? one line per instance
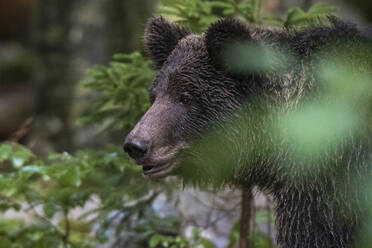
(136, 147)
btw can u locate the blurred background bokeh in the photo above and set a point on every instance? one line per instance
(53, 107)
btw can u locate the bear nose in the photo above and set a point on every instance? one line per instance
(136, 147)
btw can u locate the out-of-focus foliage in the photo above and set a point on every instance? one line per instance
(296, 17)
(118, 202)
(199, 14)
(161, 241)
(123, 90)
(195, 14)
(269, 59)
(338, 109)
(47, 190)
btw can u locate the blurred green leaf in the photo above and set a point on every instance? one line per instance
(318, 12)
(316, 127)
(234, 235)
(155, 240)
(72, 177)
(122, 91)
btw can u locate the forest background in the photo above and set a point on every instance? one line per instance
(73, 82)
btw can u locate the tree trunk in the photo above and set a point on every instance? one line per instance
(54, 80)
(245, 219)
(125, 22)
(363, 6)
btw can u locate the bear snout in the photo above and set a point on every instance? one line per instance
(136, 147)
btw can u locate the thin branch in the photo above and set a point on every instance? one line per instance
(244, 241)
(66, 235)
(47, 221)
(21, 131)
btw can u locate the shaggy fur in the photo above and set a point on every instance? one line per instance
(319, 207)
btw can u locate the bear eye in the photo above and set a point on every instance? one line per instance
(185, 98)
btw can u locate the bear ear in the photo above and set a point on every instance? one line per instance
(161, 37)
(220, 35)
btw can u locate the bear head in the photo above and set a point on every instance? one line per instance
(193, 88)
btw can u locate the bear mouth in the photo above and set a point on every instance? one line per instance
(159, 166)
(158, 171)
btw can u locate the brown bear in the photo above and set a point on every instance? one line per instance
(197, 90)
